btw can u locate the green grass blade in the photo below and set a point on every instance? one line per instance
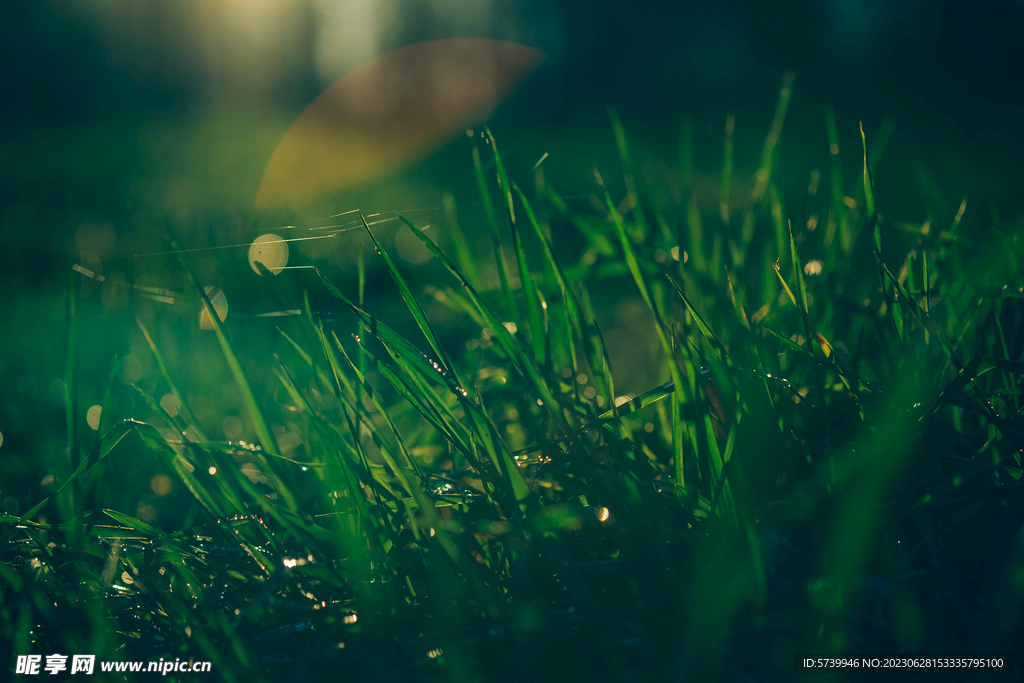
(525, 281)
(869, 198)
(252, 407)
(597, 241)
(693, 222)
(183, 406)
(727, 161)
(789, 292)
(839, 213)
(463, 253)
(106, 444)
(764, 172)
(492, 223)
(578, 324)
(501, 334)
(705, 330)
(414, 306)
(629, 176)
(68, 503)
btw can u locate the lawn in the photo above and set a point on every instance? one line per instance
(677, 425)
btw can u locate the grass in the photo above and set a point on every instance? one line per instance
(828, 461)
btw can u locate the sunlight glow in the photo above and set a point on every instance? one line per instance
(390, 111)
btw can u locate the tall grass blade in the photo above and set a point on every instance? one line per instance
(525, 281)
(252, 407)
(839, 215)
(492, 223)
(464, 255)
(629, 176)
(413, 305)
(693, 222)
(764, 171)
(501, 334)
(727, 161)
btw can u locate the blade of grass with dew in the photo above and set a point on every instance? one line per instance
(578, 325)
(488, 439)
(413, 305)
(401, 472)
(387, 336)
(415, 387)
(516, 484)
(413, 485)
(248, 399)
(641, 282)
(424, 400)
(355, 453)
(359, 503)
(225, 492)
(171, 459)
(789, 292)
(492, 223)
(705, 330)
(525, 281)
(501, 334)
(839, 370)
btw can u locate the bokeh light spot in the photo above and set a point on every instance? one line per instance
(92, 417)
(269, 250)
(170, 404)
(10, 505)
(232, 427)
(220, 305)
(161, 484)
(131, 369)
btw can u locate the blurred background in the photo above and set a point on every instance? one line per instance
(129, 121)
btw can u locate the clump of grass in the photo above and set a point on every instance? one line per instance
(829, 462)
